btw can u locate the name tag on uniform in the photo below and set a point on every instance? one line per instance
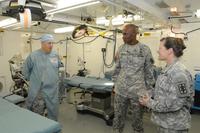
(54, 61)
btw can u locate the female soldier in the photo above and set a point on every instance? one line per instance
(173, 93)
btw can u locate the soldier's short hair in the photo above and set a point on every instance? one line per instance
(135, 27)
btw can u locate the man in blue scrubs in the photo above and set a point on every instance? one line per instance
(41, 69)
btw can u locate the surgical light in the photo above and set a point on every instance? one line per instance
(71, 7)
(64, 29)
(7, 22)
(80, 31)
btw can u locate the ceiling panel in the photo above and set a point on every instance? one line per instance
(109, 8)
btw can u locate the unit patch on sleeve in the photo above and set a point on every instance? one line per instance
(182, 88)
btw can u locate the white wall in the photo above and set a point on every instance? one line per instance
(153, 42)
(191, 56)
(93, 55)
(11, 45)
(16, 42)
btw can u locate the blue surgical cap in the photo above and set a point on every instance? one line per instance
(47, 38)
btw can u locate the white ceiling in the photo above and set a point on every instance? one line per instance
(150, 10)
(184, 7)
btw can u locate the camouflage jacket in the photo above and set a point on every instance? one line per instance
(173, 97)
(133, 72)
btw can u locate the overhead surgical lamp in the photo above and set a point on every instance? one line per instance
(25, 11)
(80, 31)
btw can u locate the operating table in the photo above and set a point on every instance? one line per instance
(14, 119)
(100, 89)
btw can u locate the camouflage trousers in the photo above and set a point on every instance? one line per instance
(38, 105)
(121, 105)
(165, 130)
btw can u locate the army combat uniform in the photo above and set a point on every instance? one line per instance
(133, 76)
(173, 97)
(39, 104)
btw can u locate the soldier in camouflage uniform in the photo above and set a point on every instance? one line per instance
(39, 104)
(173, 93)
(133, 75)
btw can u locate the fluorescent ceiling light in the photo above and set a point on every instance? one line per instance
(118, 20)
(102, 21)
(128, 18)
(15, 24)
(7, 22)
(67, 3)
(64, 29)
(48, 4)
(173, 9)
(137, 17)
(197, 14)
(108, 83)
(67, 8)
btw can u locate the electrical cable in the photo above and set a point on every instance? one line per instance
(182, 33)
(84, 42)
(104, 52)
